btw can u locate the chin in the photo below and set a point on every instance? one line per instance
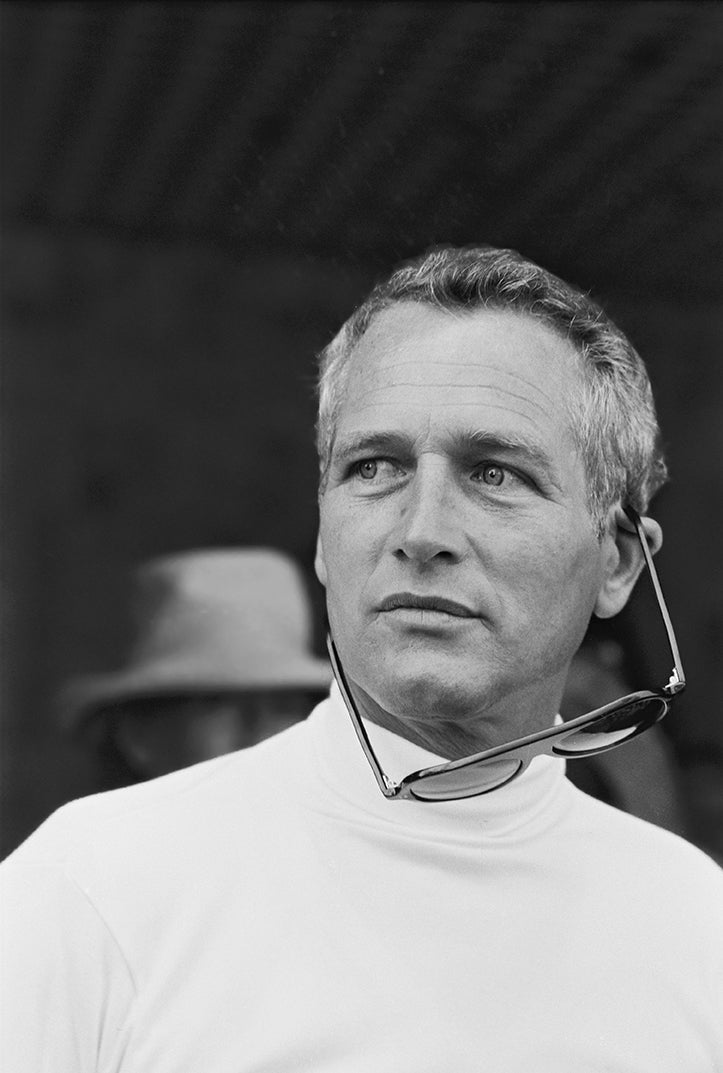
(421, 695)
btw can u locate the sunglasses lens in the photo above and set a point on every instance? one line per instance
(465, 781)
(613, 727)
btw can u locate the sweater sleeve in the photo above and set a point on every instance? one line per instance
(66, 991)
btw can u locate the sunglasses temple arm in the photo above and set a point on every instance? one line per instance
(385, 784)
(677, 679)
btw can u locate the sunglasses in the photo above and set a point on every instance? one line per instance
(587, 735)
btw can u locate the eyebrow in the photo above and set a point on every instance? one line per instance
(369, 443)
(462, 443)
(497, 442)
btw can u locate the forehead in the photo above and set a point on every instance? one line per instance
(488, 364)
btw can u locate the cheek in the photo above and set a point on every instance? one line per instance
(344, 542)
(328, 542)
(336, 558)
(347, 562)
(556, 583)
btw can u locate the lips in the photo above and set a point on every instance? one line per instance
(409, 600)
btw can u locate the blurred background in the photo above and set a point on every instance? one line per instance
(196, 195)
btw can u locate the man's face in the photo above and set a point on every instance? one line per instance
(459, 556)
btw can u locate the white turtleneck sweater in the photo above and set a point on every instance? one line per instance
(270, 912)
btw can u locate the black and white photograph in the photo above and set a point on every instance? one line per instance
(361, 486)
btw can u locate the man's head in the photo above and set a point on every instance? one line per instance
(614, 421)
(481, 424)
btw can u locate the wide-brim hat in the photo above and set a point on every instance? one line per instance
(210, 621)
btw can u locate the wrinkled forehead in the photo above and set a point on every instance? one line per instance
(418, 355)
(389, 327)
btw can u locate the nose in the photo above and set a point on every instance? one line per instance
(429, 526)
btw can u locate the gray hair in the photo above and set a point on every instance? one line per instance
(615, 427)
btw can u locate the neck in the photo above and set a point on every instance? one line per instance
(523, 712)
(442, 737)
(525, 800)
(450, 738)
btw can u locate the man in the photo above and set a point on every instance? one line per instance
(220, 658)
(410, 904)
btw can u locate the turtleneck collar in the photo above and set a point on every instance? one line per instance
(533, 800)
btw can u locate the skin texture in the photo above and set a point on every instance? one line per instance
(454, 475)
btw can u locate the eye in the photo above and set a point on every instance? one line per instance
(367, 469)
(492, 474)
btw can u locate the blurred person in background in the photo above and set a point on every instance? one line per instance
(221, 658)
(406, 880)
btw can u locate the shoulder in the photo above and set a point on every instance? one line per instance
(640, 856)
(177, 814)
(117, 877)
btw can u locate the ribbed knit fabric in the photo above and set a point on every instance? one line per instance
(270, 912)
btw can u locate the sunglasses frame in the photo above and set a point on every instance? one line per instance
(543, 742)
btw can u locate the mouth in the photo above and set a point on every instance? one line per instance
(409, 601)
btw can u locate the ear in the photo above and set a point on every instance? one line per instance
(134, 747)
(319, 564)
(624, 561)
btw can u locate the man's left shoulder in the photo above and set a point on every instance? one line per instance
(641, 847)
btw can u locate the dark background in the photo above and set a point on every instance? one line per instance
(194, 198)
